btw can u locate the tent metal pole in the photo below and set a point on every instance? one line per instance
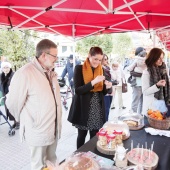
(40, 13)
(92, 26)
(73, 35)
(74, 54)
(110, 6)
(102, 5)
(135, 15)
(126, 5)
(154, 38)
(162, 28)
(126, 21)
(25, 16)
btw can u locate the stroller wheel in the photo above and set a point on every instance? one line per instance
(11, 132)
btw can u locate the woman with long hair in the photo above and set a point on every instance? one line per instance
(155, 81)
(107, 97)
(87, 111)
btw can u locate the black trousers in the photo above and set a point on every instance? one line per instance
(82, 136)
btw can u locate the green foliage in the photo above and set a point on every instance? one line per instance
(103, 41)
(1, 51)
(17, 46)
(122, 46)
(117, 44)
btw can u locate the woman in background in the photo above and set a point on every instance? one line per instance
(155, 80)
(87, 111)
(107, 97)
(117, 74)
(5, 79)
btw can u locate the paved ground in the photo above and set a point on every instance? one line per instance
(15, 155)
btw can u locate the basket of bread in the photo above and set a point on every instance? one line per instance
(158, 120)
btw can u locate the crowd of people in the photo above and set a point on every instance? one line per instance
(35, 104)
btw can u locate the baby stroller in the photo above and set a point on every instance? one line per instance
(2, 106)
(65, 92)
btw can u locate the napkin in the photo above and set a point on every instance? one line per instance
(153, 131)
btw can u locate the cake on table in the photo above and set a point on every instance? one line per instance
(145, 157)
(79, 161)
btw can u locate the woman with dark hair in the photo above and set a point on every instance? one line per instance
(107, 97)
(155, 81)
(87, 111)
(5, 79)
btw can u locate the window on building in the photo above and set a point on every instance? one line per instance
(71, 48)
(64, 48)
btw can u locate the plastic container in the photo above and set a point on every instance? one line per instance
(102, 137)
(133, 120)
(78, 161)
(118, 134)
(111, 141)
(111, 126)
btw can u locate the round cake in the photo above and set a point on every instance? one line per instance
(79, 163)
(133, 120)
(147, 158)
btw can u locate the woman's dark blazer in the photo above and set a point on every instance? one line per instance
(79, 109)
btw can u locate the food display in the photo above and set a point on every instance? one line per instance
(79, 161)
(131, 123)
(158, 120)
(111, 135)
(118, 136)
(117, 126)
(155, 114)
(145, 157)
(133, 120)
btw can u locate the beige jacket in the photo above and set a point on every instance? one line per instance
(31, 101)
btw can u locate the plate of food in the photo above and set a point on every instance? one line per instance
(133, 120)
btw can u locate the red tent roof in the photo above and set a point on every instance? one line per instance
(79, 18)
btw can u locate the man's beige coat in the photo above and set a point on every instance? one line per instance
(31, 101)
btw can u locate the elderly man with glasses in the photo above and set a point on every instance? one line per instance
(34, 100)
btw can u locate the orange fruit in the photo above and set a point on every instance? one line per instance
(150, 111)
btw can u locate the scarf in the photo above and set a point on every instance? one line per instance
(157, 74)
(89, 75)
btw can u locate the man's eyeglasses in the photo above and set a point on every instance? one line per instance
(52, 55)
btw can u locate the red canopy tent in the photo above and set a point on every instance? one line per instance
(164, 36)
(80, 18)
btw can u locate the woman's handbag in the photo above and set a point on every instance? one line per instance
(135, 74)
(124, 87)
(132, 80)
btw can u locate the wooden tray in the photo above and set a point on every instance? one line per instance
(106, 151)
